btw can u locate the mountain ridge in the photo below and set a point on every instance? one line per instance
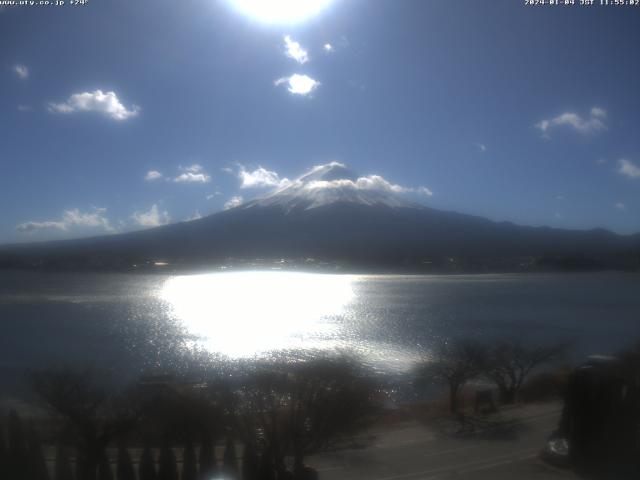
(332, 215)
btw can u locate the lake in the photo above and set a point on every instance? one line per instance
(133, 322)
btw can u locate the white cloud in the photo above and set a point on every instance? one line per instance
(620, 206)
(151, 218)
(369, 182)
(71, 218)
(188, 177)
(98, 101)
(193, 174)
(376, 182)
(293, 50)
(92, 219)
(196, 216)
(213, 195)
(152, 175)
(298, 84)
(21, 71)
(330, 180)
(260, 178)
(327, 47)
(30, 227)
(425, 191)
(233, 202)
(628, 168)
(593, 124)
(482, 147)
(317, 168)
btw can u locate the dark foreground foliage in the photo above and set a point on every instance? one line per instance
(259, 426)
(601, 417)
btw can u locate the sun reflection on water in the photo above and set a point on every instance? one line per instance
(244, 314)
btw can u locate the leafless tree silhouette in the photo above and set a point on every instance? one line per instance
(454, 364)
(95, 415)
(303, 409)
(510, 362)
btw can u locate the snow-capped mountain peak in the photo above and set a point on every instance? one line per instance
(335, 183)
(328, 172)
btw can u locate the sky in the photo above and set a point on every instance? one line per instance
(119, 115)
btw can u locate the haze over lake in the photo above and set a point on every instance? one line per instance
(131, 322)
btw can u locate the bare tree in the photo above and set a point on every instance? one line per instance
(453, 364)
(124, 465)
(302, 409)
(62, 469)
(95, 415)
(104, 468)
(18, 455)
(511, 361)
(230, 459)
(3, 454)
(189, 463)
(250, 462)
(630, 363)
(37, 465)
(181, 411)
(168, 467)
(208, 462)
(147, 465)
(329, 398)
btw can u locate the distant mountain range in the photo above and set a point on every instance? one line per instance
(332, 217)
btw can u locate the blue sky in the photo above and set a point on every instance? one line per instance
(121, 115)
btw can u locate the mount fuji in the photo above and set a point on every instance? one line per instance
(330, 215)
(334, 183)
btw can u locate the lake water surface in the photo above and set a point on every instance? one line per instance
(128, 322)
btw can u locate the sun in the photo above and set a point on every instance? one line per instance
(280, 11)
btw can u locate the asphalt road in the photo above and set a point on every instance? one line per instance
(505, 446)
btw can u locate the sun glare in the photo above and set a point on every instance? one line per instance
(280, 11)
(243, 314)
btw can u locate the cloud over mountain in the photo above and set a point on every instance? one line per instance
(260, 178)
(71, 218)
(152, 217)
(335, 182)
(233, 202)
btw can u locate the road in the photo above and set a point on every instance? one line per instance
(507, 447)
